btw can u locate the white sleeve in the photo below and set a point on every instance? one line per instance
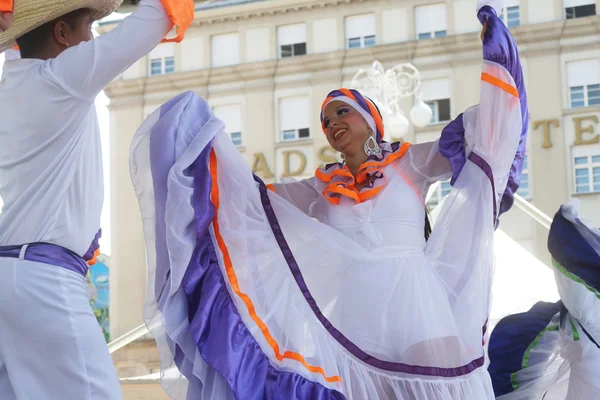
(84, 70)
(423, 165)
(302, 194)
(426, 160)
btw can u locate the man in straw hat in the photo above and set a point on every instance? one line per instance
(51, 346)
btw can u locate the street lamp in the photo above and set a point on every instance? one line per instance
(387, 89)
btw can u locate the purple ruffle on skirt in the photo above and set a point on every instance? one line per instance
(216, 326)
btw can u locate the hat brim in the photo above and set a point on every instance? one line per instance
(29, 16)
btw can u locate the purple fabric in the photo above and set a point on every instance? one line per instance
(216, 326)
(162, 154)
(452, 146)
(89, 255)
(48, 254)
(500, 47)
(337, 335)
(485, 167)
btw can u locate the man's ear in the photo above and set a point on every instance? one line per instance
(61, 33)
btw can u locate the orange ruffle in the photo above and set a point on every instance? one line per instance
(181, 13)
(94, 259)
(6, 5)
(341, 182)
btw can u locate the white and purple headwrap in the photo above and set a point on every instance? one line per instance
(362, 104)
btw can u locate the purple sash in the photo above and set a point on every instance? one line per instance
(54, 255)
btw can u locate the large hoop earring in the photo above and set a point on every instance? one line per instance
(371, 147)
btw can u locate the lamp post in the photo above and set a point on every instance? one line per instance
(387, 89)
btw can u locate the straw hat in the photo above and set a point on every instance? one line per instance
(31, 14)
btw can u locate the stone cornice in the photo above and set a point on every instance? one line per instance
(248, 11)
(558, 37)
(251, 10)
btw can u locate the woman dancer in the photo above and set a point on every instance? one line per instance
(251, 298)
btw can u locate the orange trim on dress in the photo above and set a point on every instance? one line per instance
(348, 188)
(231, 276)
(492, 80)
(94, 259)
(181, 13)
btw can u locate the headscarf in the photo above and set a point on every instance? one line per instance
(365, 106)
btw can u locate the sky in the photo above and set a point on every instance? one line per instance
(104, 121)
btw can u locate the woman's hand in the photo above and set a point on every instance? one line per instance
(485, 26)
(6, 20)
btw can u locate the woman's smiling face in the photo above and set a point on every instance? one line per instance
(345, 128)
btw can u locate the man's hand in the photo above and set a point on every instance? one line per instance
(6, 20)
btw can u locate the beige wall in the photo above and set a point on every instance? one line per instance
(258, 83)
(128, 260)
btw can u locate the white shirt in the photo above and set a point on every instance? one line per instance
(50, 154)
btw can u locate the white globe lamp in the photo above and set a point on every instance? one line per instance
(421, 114)
(396, 126)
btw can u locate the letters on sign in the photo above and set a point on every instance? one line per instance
(585, 130)
(326, 155)
(261, 167)
(580, 130)
(295, 161)
(287, 161)
(546, 123)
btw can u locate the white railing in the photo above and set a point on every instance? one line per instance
(520, 202)
(533, 212)
(127, 338)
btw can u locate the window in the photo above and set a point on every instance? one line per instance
(429, 35)
(294, 118)
(161, 66)
(579, 8)
(231, 115)
(587, 174)
(162, 59)
(586, 169)
(437, 193)
(440, 110)
(430, 21)
(291, 40)
(524, 188)
(360, 31)
(436, 94)
(583, 96)
(225, 50)
(583, 78)
(511, 14)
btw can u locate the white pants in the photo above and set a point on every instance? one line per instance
(51, 347)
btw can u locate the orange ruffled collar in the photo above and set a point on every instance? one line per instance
(340, 181)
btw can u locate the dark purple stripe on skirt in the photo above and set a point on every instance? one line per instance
(337, 335)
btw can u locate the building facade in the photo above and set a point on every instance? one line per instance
(266, 66)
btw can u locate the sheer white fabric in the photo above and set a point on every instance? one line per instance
(394, 296)
(367, 266)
